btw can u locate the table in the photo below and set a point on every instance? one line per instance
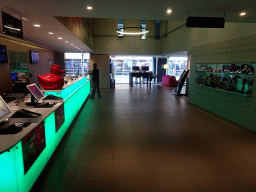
(148, 75)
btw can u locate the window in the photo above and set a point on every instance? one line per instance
(74, 64)
(157, 31)
(143, 28)
(120, 25)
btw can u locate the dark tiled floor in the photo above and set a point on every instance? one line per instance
(147, 139)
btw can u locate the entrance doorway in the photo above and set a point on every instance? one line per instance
(177, 65)
(123, 66)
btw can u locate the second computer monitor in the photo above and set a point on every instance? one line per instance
(135, 68)
(145, 68)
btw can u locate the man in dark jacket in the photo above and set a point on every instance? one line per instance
(95, 80)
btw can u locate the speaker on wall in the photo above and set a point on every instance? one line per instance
(205, 22)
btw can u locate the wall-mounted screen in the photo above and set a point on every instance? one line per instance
(14, 76)
(34, 57)
(3, 54)
(12, 26)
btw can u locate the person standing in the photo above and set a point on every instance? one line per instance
(95, 81)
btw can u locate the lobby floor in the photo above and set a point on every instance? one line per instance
(147, 139)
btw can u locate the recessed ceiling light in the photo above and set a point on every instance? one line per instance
(72, 44)
(78, 48)
(89, 7)
(59, 37)
(66, 41)
(242, 13)
(37, 25)
(50, 33)
(169, 11)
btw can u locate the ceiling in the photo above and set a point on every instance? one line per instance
(44, 12)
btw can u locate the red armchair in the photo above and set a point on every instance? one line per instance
(169, 80)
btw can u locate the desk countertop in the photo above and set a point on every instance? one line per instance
(8, 141)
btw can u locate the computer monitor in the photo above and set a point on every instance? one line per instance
(36, 93)
(5, 111)
(145, 68)
(135, 68)
(14, 76)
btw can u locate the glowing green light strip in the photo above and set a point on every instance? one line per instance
(12, 176)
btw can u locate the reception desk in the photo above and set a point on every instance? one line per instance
(19, 165)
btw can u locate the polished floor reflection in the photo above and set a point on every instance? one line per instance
(147, 139)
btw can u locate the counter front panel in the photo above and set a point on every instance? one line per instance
(13, 176)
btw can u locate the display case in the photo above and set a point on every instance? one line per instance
(235, 78)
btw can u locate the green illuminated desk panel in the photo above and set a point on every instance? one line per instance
(23, 156)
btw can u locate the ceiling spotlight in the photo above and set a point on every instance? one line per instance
(72, 44)
(169, 11)
(59, 37)
(89, 7)
(78, 48)
(242, 13)
(66, 41)
(50, 33)
(37, 25)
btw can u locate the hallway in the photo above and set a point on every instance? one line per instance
(147, 139)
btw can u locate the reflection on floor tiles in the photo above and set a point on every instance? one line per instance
(147, 139)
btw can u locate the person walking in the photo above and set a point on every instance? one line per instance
(95, 81)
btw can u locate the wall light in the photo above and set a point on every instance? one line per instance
(89, 7)
(169, 11)
(16, 29)
(166, 66)
(24, 18)
(242, 13)
(132, 31)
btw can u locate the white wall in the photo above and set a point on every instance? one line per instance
(236, 108)
(107, 42)
(43, 67)
(103, 62)
(186, 38)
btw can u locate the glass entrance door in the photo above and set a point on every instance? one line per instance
(123, 66)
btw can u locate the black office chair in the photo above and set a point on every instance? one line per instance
(137, 75)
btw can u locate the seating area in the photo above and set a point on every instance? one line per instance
(169, 80)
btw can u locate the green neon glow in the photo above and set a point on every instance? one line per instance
(65, 93)
(71, 107)
(12, 176)
(8, 181)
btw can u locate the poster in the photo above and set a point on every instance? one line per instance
(33, 145)
(59, 117)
